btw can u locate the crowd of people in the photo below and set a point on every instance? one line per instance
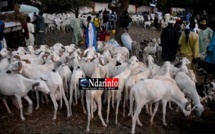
(94, 29)
(196, 42)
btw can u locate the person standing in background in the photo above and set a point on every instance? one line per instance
(205, 36)
(210, 57)
(40, 25)
(77, 31)
(90, 34)
(1, 33)
(105, 20)
(169, 42)
(97, 23)
(30, 40)
(112, 19)
(189, 45)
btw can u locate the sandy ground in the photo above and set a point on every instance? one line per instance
(41, 120)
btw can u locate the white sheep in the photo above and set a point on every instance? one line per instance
(19, 86)
(163, 89)
(55, 84)
(93, 96)
(117, 93)
(130, 83)
(74, 84)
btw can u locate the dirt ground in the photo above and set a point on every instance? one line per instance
(41, 120)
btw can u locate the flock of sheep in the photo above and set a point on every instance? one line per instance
(55, 71)
(61, 22)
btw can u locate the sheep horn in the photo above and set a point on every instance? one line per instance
(100, 61)
(35, 85)
(67, 59)
(27, 61)
(187, 106)
(86, 54)
(19, 66)
(45, 55)
(42, 79)
(9, 49)
(52, 58)
(17, 57)
(194, 108)
(38, 53)
(82, 54)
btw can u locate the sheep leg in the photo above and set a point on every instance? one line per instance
(99, 102)
(67, 103)
(177, 109)
(47, 99)
(42, 98)
(5, 103)
(154, 112)
(113, 95)
(164, 102)
(61, 103)
(37, 98)
(170, 105)
(71, 98)
(88, 101)
(105, 97)
(131, 105)
(30, 107)
(55, 106)
(108, 106)
(117, 107)
(150, 109)
(65, 86)
(134, 118)
(82, 101)
(91, 105)
(147, 108)
(20, 106)
(125, 100)
(76, 102)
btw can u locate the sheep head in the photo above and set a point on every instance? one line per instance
(41, 85)
(16, 66)
(4, 52)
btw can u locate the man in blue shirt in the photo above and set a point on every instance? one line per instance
(1, 33)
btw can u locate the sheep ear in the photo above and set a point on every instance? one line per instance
(35, 85)
(187, 61)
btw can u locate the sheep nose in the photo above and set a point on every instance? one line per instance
(8, 72)
(118, 63)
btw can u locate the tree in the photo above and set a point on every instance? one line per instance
(59, 6)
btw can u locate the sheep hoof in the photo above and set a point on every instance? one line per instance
(117, 123)
(28, 113)
(140, 124)
(22, 118)
(88, 130)
(165, 124)
(104, 125)
(54, 118)
(129, 114)
(37, 108)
